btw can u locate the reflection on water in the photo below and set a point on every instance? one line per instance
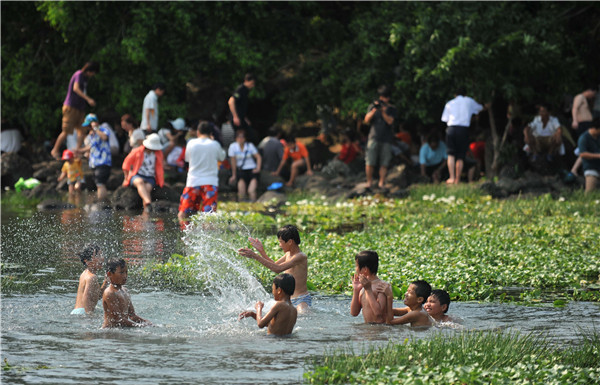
(197, 338)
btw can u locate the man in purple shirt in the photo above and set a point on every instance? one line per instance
(74, 106)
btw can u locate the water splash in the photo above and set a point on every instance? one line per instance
(213, 239)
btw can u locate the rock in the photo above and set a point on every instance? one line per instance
(13, 166)
(493, 190)
(397, 176)
(114, 180)
(163, 206)
(272, 198)
(165, 193)
(50, 204)
(63, 185)
(48, 171)
(98, 206)
(126, 198)
(44, 190)
(266, 179)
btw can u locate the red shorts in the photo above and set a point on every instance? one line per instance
(199, 198)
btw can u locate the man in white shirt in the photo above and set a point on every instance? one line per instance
(543, 135)
(150, 109)
(457, 115)
(202, 185)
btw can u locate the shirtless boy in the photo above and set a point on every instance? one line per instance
(89, 292)
(369, 291)
(437, 305)
(294, 262)
(414, 298)
(118, 309)
(282, 316)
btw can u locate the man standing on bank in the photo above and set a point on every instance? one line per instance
(73, 109)
(381, 115)
(150, 109)
(238, 106)
(457, 115)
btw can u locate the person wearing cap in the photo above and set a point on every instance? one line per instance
(100, 153)
(150, 108)
(71, 170)
(143, 168)
(73, 109)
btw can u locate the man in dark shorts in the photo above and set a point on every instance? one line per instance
(457, 115)
(238, 106)
(381, 115)
(74, 106)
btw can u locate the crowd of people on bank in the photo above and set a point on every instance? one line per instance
(178, 150)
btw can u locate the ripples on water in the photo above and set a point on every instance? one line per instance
(197, 338)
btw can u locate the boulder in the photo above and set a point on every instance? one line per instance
(43, 190)
(114, 180)
(165, 193)
(126, 198)
(13, 166)
(52, 204)
(272, 198)
(266, 179)
(47, 171)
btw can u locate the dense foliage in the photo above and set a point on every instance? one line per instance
(530, 250)
(304, 53)
(464, 358)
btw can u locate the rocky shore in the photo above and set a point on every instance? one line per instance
(337, 182)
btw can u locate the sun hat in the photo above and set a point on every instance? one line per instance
(67, 154)
(152, 142)
(89, 119)
(178, 124)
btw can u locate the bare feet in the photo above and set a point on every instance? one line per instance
(450, 181)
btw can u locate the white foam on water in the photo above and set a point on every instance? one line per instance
(213, 239)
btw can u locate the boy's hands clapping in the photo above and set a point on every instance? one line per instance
(356, 285)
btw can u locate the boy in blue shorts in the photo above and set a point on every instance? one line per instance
(293, 262)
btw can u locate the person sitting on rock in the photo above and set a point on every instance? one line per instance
(543, 136)
(295, 156)
(143, 168)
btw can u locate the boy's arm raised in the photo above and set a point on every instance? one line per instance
(355, 305)
(264, 321)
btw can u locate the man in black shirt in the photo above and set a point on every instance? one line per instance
(238, 106)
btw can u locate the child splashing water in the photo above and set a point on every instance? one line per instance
(89, 292)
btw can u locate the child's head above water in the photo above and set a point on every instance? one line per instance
(88, 253)
(288, 232)
(368, 259)
(113, 264)
(438, 302)
(422, 290)
(285, 282)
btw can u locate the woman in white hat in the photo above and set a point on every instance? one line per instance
(143, 167)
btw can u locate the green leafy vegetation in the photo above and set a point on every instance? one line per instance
(527, 250)
(482, 357)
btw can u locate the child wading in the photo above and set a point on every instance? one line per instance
(89, 292)
(368, 292)
(282, 316)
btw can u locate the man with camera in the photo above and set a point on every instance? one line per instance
(381, 115)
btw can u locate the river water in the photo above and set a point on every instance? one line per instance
(197, 337)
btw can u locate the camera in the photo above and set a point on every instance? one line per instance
(376, 104)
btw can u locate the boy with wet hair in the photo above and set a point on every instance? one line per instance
(89, 292)
(437, 305)
(281, 318)
(414, 298)
(118, 309)
(369, 291)
(293, 262)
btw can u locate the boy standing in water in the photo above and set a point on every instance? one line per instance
(89, 292)
(294, 262)
(118, 309)
(414, 298)
(282, 316)
(369, 291)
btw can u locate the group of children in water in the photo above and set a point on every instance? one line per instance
(370, 295)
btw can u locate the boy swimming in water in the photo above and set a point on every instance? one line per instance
(369, 291)
(294, 262)
(413, 314)
(281, 318)
(118, 309)
(89, 292)
(437, 305)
